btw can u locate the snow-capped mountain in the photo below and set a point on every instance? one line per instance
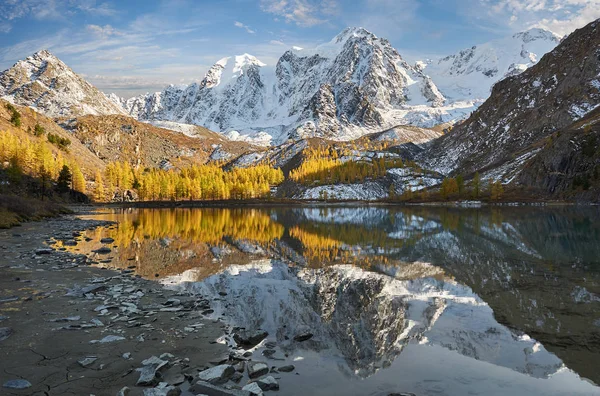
(470, 73)
(524, 111)
(355, 84)
(45, 83)
(343, 89)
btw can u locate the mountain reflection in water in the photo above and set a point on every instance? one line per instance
(518, 288)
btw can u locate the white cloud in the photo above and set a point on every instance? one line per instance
(303, 13)
(559, 16)
(242, 26)
(12, 10)
(103, 31)
(91, 6)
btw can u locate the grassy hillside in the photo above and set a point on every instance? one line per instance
(120, 138)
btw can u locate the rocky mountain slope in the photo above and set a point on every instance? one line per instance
(45, 83)
(568, 163)
(523, 110)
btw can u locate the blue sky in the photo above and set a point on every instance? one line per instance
(134, 46)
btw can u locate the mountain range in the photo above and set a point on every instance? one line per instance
(521, 111)
(353, 85)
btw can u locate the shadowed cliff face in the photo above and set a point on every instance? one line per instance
(369, 282)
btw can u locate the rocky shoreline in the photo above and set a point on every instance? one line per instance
(70, 328)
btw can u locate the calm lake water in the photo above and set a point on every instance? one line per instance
(433, 301)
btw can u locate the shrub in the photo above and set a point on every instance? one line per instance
(58, 141)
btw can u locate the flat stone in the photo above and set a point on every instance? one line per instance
(102, 250)
(287, 369)
(106, 240)
(40, 252)
(67, 319)
(268, 383)
(17, 384)
(206, 388)
(249, 337)
(148, 373)
(163, 389)
(5, 332)
(108, 338)
(253, 388)
(177, 379)
(87, 361)
(217, 375)
(8, 299)
(257, 369)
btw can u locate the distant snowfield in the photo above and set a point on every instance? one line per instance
(423, 335)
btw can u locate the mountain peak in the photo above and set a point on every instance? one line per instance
(534, 34)
(44, 82)
(350, 32)
(44, 55)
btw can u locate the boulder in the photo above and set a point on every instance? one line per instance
(287, 369)
(249, 337)
(253, 388)
(268, 383)
(257, 369)
(148, 372)
(217, 375)
(163, 389)
(206, 388)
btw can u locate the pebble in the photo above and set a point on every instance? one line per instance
(87, 361)
(5, 332)
(17, 384)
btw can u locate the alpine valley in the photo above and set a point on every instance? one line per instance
(351, 119)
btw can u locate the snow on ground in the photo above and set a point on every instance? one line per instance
(407, 179)
(369, 191)
(509, 170)
(187, 129)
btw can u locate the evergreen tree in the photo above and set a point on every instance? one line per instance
(45, 179)
(63, 182)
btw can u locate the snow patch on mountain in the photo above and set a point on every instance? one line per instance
(471, 73)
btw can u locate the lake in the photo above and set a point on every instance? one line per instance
(423, 300)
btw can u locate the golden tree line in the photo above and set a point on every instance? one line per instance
(324, 166)
(196, 182)
(34, 157)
